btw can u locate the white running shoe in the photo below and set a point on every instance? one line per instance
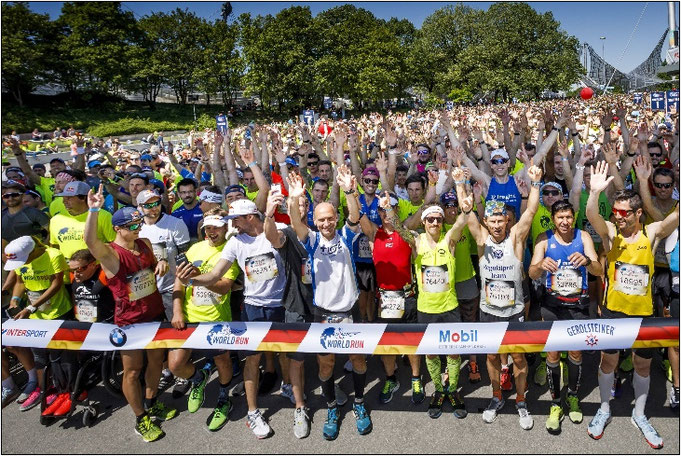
(258, 425)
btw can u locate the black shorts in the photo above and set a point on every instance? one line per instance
(551, 313)
(674, 306)
(451, 316)
(409, 315)
(489, 318)
(366, 276)
(645, 353)
(662, 290)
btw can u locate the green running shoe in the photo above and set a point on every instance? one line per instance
(162, 411)
(417, 394)
(389, 388)
(575, 411)
(540, 373)
(196, 394)
(148, 430)
(220, 415)
(627, 365)
(556, 415)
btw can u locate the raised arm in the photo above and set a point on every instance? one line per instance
(248, 157)
(599, 182)
(32, 176)
(100, 250)
(644, 170)
(276, 237)
(660, 230)
(522, 228)
(348, 184)
(296, 190)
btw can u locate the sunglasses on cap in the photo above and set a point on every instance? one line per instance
(550, 193)
(371, 181)
(133, 226)
(663, 184)
(499, 161)
(437, 220)
(423, 152)
(81, 268)
(11, 195)
(151, 205)
(622, 212)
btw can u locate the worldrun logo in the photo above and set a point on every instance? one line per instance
(333, 338)
(227, 334)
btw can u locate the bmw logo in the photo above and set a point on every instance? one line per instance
(118, 337)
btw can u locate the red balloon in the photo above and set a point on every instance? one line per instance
(325, 128)
(586, 93)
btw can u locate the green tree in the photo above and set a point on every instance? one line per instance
(222, 68)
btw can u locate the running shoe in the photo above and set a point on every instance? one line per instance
(540, 373)
(330, 430)
(457, 404)
(473, 372)
(505, 379)
(490, 413)
(52, 408)
(435, 407)
(598, 423)
(258, 425)
(417, 394)
(147, 429)
(362, 418)
(627, 364)
(32, 400)
(267, 382)
(674, 398)
(197, 394)
(51, 395)
(649, 432)
(8, 395)
(65, 407)
(341, 397)
(28, 389)
(181, 387)
(389, 388)
(220, 414)
(167, 379)
(301, 423)
(556, 416)
(162, 411)
(524, 417)
(574, 410)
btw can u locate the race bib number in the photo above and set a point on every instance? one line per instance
(499, 293)
(141, 284)
(435, 278)
(33, 297)
(160, 251)
(392, 304)
(592, 231)
(566, 282)
(306, 273)
(202, 296)
(261, 267)
(85, 311)
(364, 248)
(631, 279)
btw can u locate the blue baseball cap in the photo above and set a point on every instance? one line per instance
(158, 184)
(235, 188)
(448, 198)
(125, 215)
(291, 161)
(146, 157)
(93, 163)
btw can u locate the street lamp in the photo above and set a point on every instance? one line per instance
(605, 72)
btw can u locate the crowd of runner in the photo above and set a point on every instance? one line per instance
(561, 210)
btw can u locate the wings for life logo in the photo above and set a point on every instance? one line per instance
(228, 334)
(333, 338)
(117, 337)
(591, 340)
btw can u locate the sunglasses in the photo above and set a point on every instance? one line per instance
(422, 152)
(133, 226)
(499, 161)
(314, 163)
(550, 193)
(452, 204)
(11, 195)
(437, 220)
(371, 181)
(622, 212)
(151, 205)
(663, 184)
(655, 155)
(82, 268)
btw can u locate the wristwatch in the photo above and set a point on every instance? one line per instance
(588, 261)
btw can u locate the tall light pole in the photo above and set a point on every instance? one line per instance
(605, 72)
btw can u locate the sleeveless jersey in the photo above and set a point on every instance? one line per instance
(568, 286)
(435, 274)
(501, 277)
(508, 193)
(671, 248)
(465, 246)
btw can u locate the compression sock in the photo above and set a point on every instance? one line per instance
(435, 370)
(574, 375)
(197, 377)
(453, 367)
(604, 386)
(553, 377)
(148, 403)
(359, 381)
(32, 375)
(329, 391)
(641, 387)
(9, 383)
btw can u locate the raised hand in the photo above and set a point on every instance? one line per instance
(587, 154)
(458, 174)
(643, 168)
(346, 181)
(610, 153)
(466, 204)
(563, 148)
(432, 176)
(381, 163)
(522, 186)
(246, 154)
(384, 201)
(534, 173)
(599, 177)
(95, 200)
(274, 200)
(296, 186)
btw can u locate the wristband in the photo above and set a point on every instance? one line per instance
(18, 298)
(252, 163)
(94, 209)
(580, 166)
(349, 192)
(575, 134)
(351, 224)
(631, 155)
(306, 142)
(523, 197)
(466, 213)
(535, 184)
(588, 261)
(31, 308)
(459, 182)
(565, 159)
(554, 129)
(516, 133)
(284, 163)
(480, 159)
(607, 129)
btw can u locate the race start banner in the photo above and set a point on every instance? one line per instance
(366, 338)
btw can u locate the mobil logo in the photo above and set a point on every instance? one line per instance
(447, 336)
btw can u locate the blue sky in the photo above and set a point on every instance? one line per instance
(587, 21)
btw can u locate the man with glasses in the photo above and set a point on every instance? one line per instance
(129, 265)
(312, 167)
(549, 193)
(423, 157)
(629, 248)
(190, 210)
(19, 220)
(366, 272)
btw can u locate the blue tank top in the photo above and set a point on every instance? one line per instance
(508, 193)
(568, 286)
(371, 211)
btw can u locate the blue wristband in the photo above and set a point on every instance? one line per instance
(94, 209)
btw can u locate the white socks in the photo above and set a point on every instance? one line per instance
(605, 382)
(641, 387)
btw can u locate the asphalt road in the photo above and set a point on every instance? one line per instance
(399, 427)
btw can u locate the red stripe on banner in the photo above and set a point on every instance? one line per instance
(658, 332)
(401, 338)
(73, 335)
(530, 337)
(172, 333)
(289, 336)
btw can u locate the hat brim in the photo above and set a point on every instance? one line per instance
(11, 265)
(216, 223)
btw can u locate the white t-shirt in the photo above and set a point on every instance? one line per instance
(264, 275)
(165, 236)
(333, 271)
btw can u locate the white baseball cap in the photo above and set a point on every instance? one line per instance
(499, 153)
(214, 220)
(242, 207)
(146, 195)
(17, 252)
(210, 197)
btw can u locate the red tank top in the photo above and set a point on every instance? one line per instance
(134, 286)
(392, 259)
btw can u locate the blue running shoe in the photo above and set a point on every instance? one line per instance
(364, 425)
(331, 424)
